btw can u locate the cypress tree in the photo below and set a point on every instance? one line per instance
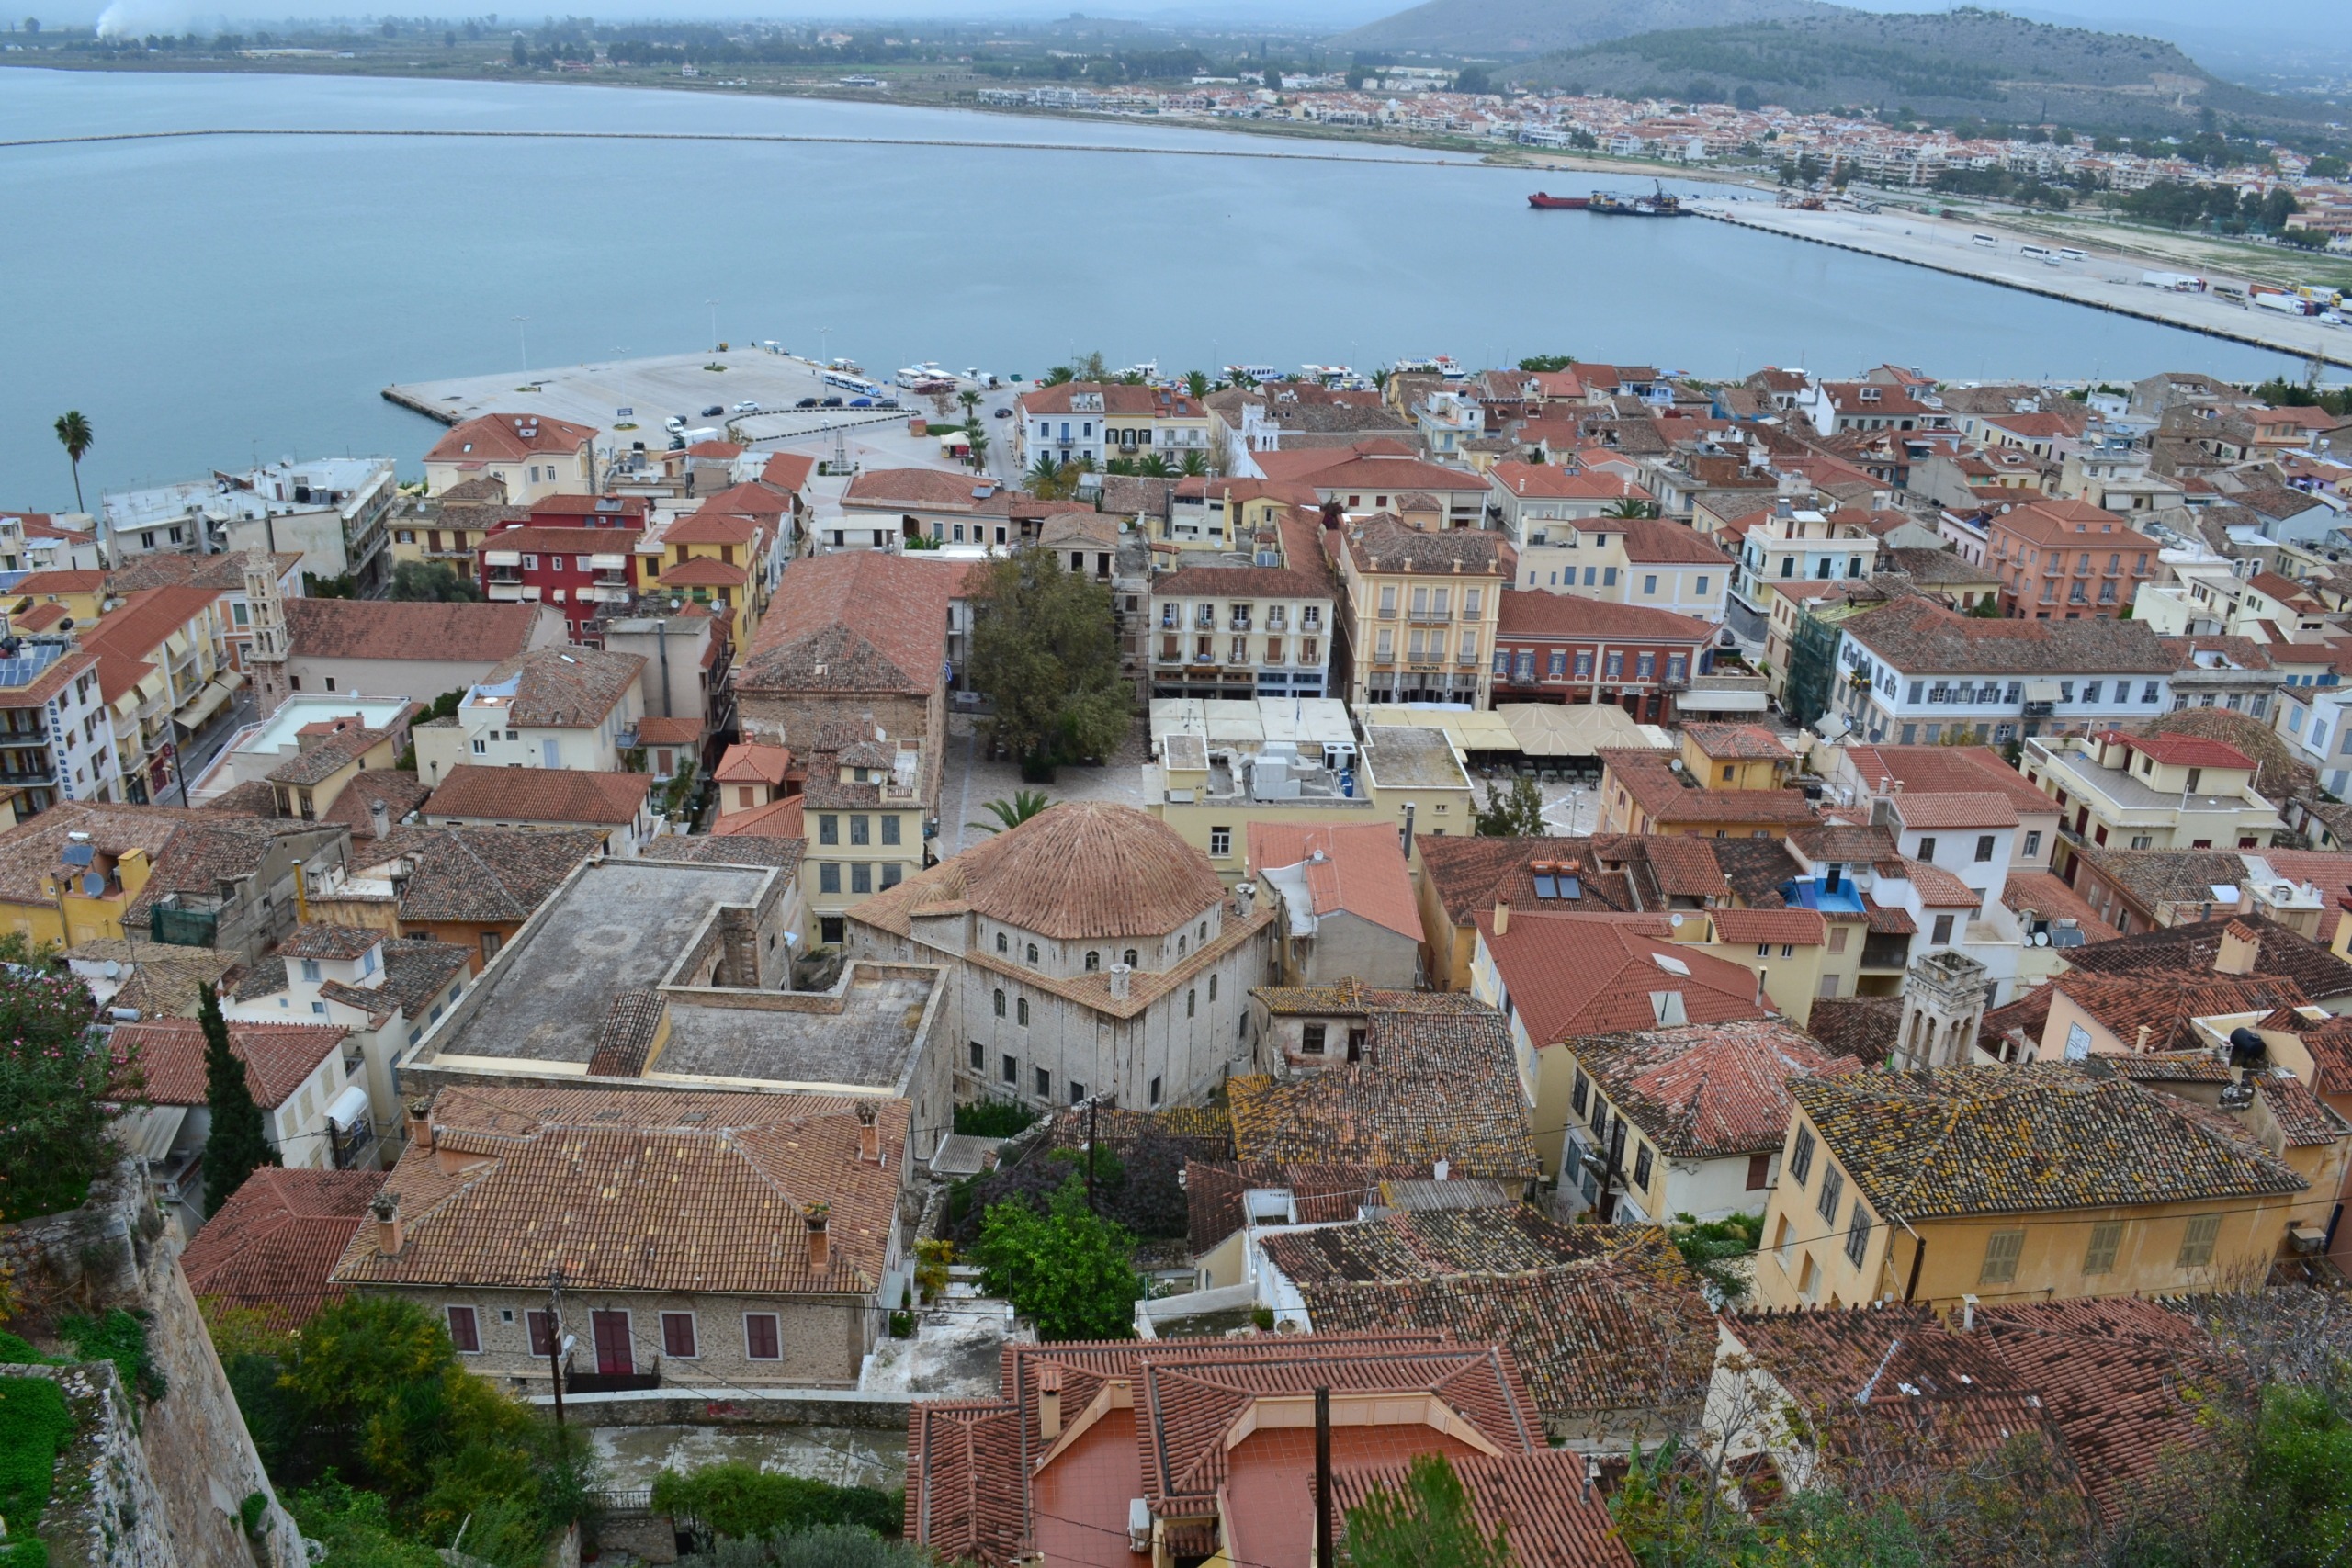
(235, 1145)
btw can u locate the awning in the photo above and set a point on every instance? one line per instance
(210, 699)
(1574, 729)
(2041, 690)
(1472, 729)
(148, 1131)
(349, 1110)
(1701, 701)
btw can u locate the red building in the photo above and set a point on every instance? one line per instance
(1552, 648)
(581, 571)
(2067, 559)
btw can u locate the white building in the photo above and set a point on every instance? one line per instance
(568, 707)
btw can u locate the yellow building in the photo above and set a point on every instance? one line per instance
(1735, 756)
(862, 812)
(1645, 792)
(79, 596)
(164, 670)
(1421, 610)
(49, 895)
(2030, 1182)
(2150, 792)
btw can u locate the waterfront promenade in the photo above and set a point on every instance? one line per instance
(2103, 280)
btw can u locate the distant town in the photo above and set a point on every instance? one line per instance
(1553, 963)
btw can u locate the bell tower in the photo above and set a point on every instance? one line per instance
(1943, 1003)
(265, 612)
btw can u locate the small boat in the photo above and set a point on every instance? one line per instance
(1560, 203)
(1656, 204)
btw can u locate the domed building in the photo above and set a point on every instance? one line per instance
(1095, 952)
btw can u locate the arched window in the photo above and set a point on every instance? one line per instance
(1002, 945)
(1022, 1007)
(1179, 947)
(999, 1001)
(1129, 959)
(1190, 997)
(1093, 961)
(1033, 952)
(1205, 931)
(1212, 987)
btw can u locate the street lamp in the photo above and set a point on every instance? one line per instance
(714, 321)
(522, 342)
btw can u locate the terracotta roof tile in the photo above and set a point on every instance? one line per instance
(539, 795)
(1921, 637)
(490, 874)
(407, 630)
(1708, 1091)
(170, 1055)
(1541, 1502)
(1472, 873)
(2280, 952)
(563, 688)
(1357, 870)
(272, 1245)
(1570, 974)
(862, 621)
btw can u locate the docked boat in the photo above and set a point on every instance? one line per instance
(1656, 204)
(1559, 203)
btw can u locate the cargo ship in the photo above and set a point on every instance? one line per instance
(1561, 203)
(1656, 204)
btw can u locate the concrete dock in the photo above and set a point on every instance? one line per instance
(628, 400)
(2103, 280)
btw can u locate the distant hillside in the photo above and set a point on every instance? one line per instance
(1952, 63)
(1513, 28)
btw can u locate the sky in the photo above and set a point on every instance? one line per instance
(2187, 20)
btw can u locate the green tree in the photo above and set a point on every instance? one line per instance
(970, 400)
(1631, 507)
(1045, 653)
(744, 1501)
(55, 1079)
(1517, 813)
(520, 55)
(1714, 1249)
(1024, 804)
(236, 1144)
(1067, 1271)
(1426, 1523)
(434, 582)
(1547, 362)
(1195, 464)
(1196, 384)
(73, 434)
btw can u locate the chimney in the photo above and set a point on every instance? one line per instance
(388, 1234)
(2241, 944)
(1502, 917)
(1968, 1314)
(379, 819)
(1119, 982)
(869, 1133)
(2142, 1042)
(820, 1254)
(420, 1123)
(1049, 1403)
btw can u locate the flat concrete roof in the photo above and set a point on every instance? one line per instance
(1402, 757)
(276, 734)
(619, 925)
(865, 1042)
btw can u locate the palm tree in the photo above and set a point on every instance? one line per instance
(73, 435)
(1196, 383)
(969, 398)
(1154, 466)
(1195, 463)
(1630, 507)
(1024, 804)
(1044, 475)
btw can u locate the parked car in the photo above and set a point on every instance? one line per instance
(674, 424)
(747, 406)
(831, 403)
(861, 402)
(806, 403)
(888, 403)
(712, 412)
(1005, 413)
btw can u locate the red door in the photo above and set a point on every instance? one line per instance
(611, 1329)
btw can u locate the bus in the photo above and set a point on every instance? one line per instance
(2040, 250)
(1986, 241)
(857, 384)
(2068, 252)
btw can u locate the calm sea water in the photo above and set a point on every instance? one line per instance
(204, 301)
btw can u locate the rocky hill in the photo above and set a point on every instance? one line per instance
(1515, 28)
(1948, 65)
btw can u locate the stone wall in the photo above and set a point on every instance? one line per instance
(171, 1481)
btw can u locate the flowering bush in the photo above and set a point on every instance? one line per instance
(54, 1083)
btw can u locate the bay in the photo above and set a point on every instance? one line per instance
(208, 301)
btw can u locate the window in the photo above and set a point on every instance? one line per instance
(2106, 1239)
(1093, 960)
(1212, 987)
(309, 969)
(1837, 938)
(1311, 1037)
(1192, 998)
(2002, 1249)
(1941, 936)
(1833, 1187)
(1077, 1092)
(1649, 585)
(490, 940)
(1010, 1071)
(1801, 1158)
(1858, 1234)
(890, 874)
(1045, 1084)
(1021, 1011)
(1614, 666)
(1220, 842)
(890, 828)
(762, 1340)
(1155, 1091)
(540, 1325)
(1642, 1170)
(829, 830)
(2197, 1241)
(1032, 950)
(861, 829)
(2033, 843)
(1128, 958)
(1760, 1176)
(1983, 847)
(1001, 944)
(980, 1057)
(861, 877)
(1928, 850)
(999, 1001)
(678, 1336)
(465, 1331)
(828, 877)
(481, 747)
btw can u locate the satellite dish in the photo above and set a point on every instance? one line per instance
(94, 885)
(2041, 939)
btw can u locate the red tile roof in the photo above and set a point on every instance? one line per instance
(139, 626)
(272, 1245)
(1805, 928)
(1586, 974)
(2186, 750)
(1357, 869)
(862, 621)
(754, 763)
(387, 629)
(500, 795)
(1532, 612)
(507, 436)
(777, 820)
(1708, 1091)
(1541, 1502)
(1983, 808)
(169, 1052)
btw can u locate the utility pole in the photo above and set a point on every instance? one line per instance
(1091, 1108)
(555, 1337)
(1323, 1558)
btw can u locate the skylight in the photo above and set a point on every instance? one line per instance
(1671, 965)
